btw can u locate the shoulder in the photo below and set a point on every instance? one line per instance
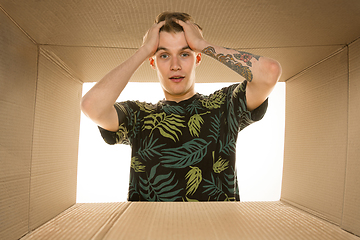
(135, 106)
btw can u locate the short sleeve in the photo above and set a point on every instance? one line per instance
(238, 101)
(258, 113)
(121, 136)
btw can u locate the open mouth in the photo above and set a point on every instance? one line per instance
(176, 78)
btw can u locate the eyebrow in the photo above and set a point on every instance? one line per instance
(165, 49)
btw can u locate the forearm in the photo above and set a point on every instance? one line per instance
(261, 73)
(98, 103)
(99, 100)
(252, 67)
(239, 61)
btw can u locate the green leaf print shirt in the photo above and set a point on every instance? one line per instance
(184, 151)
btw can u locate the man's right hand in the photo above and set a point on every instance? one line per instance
(151, 38)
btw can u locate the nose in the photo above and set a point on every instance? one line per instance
(175, 64)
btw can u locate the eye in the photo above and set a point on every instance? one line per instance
(163, 56)
(185, 54)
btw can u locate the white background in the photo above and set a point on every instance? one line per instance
(103, 170)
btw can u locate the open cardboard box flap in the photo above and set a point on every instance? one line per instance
(211, 220)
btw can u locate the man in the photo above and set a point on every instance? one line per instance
(183, 147)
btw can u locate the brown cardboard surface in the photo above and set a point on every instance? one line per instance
(351, 212)
(81, 221)
(91, 64)
(79, 40)
(18, 70)
(55, 142)
(122, 24)
(210, 220)
(298, 29)
(315, 137)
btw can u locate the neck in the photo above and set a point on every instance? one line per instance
(179, 98)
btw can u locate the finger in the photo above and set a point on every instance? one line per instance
(159, 24)
(177, 20)
(187, 24)
(180, 22)
(154, 27)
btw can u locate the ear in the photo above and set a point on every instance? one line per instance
(152, 62)
(198, 59)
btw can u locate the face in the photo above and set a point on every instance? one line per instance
(175, 64)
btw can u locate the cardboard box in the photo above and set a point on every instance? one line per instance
(211, 220)
(44, 60)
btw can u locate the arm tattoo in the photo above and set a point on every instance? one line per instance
(232, 61)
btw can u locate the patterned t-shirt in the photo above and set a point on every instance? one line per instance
(184, 151)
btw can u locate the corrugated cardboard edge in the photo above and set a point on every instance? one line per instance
(110, 223)
(338, 51)
(30, 233)
(349, 218)
(351, 208)
(18, 67)
(222, 220)
(59, 63)
(57, 117)
(308, 210)
(17, 25)
(213, 220)
(315, 153)
(80, 221)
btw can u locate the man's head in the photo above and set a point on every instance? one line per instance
(174, 60)
(170, 25)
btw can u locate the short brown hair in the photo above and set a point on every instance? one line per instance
(170, 24)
